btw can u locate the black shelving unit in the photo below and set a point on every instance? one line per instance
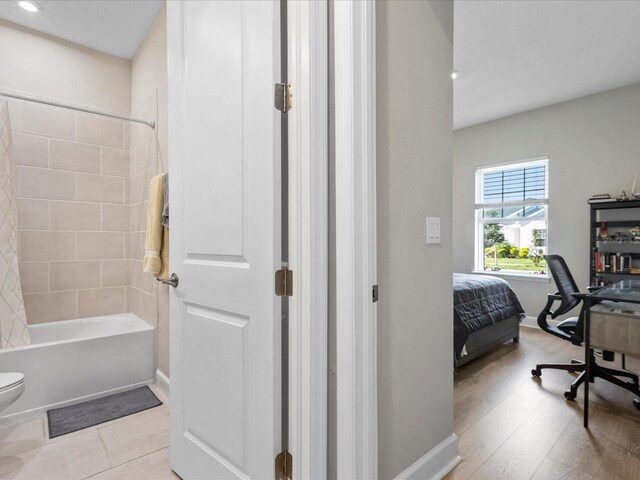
(619, 217)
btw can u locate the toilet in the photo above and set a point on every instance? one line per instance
(11, 387)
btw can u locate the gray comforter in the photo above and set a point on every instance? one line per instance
(480, 301)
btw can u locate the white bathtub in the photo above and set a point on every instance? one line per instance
(77, 360)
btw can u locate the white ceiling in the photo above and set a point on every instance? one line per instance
(514, 56)
(116, 26)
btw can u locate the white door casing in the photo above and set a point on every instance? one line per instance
(224, 154)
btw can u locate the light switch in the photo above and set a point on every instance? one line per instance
(433, 230)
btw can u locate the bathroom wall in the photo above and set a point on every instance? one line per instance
(38, 64)
(149, 300)
(72, 175)
(72, 186)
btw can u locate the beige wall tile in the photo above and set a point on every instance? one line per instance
(148, 308)
(126, 130)
(127, 191)
(100, 301)
(137, 245)
(163, 329)
(134, 301)
(115, 273)
(115, 162)
(139, 217)
(142, 156)
(140, 186)
(34, 277)
(115, 218)
(100, 245)
(30, 150)
(33, 214)
(98, 188)
(99, 131)
(50, 307)
(42, 245)
(46, 121)
(76, 216)
(140, 279)
(50, 184)
(164, 363)
(74, 275)
(127, 245)
(78, 157)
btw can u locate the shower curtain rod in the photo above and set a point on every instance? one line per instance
(29, 98)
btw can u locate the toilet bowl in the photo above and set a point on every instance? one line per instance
(11, 387)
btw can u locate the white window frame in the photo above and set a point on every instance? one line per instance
(480, 221)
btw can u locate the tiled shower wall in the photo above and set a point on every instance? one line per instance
(144, 166)
(73, 212)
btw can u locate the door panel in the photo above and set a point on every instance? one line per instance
(224, 156)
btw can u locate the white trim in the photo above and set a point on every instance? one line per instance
(308, 237)
(532, 322)
(356, 324)
(436, 463)
(512, 164)
(163, 383)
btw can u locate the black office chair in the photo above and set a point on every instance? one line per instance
(572, 330)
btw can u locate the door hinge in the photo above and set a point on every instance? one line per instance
(283, 97)
(374, 294)
(284, 282)
(284, 466)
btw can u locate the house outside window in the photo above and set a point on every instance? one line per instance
(511, 218)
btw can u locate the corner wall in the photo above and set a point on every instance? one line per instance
(149, 299)
(414, 178)
(593, 145)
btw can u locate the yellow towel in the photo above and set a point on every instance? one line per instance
(156, 244)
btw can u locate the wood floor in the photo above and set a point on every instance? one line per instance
(511, 426)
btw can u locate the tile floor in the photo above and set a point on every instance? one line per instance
(129, 448)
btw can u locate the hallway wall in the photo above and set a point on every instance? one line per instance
(414, 180)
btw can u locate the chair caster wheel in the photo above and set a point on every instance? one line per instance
(636, 403)
(569, 395)
(536, 373)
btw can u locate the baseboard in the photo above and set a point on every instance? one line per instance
(529, 322)
(436, 463)
(163, 383)
(532, 322)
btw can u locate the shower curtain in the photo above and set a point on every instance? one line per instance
(13, 323)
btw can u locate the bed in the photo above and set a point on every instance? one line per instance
(486, 313)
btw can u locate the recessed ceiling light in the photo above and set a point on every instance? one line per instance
(30, 6)
(454, 75)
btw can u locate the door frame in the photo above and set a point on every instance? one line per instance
(308, 237)
(356, 321)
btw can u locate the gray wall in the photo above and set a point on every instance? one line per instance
(414, 143)
(593, 145)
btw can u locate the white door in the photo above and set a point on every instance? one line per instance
(224, 153)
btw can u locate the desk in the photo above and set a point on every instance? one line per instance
(614, 327)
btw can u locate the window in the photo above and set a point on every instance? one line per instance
(511, 217)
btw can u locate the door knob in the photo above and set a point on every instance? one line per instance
(172, 280)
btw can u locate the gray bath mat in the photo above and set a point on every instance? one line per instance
(94, 412)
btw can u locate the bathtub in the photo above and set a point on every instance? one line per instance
(77, 360)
